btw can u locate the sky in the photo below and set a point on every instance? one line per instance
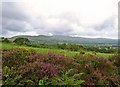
(77, 18)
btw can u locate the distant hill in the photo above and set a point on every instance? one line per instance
(66, 39)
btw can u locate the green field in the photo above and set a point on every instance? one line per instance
(46, 50)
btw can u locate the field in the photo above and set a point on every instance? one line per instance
(46, 50)
(26, 65)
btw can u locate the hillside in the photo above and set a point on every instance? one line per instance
(67, 39)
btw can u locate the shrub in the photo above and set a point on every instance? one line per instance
(115, 59)
(5, 40)
(47, 70)
(9, 77)
(82, 52)
(96, 69)
(15, 57)
(57, 69)
(22, 41)
(65, 79)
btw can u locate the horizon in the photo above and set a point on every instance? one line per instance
(80, 18)
(61, 35)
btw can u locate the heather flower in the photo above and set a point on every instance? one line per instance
(48, 70)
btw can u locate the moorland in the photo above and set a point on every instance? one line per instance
(59, 60)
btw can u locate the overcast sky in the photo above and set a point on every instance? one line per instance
(84, 18)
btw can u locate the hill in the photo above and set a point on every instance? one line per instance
(67, 39)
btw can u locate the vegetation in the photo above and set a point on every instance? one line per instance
(23, 66)
(58, 39)
(28, 64)
(22, 41)
(54, 50)
(5, 40)
(74, 47)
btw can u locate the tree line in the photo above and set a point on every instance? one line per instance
(64, 46)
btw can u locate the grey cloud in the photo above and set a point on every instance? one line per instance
(14, 19)
(69, 16)
(40, 25)
(11, 10)
(108, 24)
(55, 30)
(61, 30)
(14, 25)
(4, 32)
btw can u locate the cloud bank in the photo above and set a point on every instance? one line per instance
(60, 18)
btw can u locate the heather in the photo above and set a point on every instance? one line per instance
(27, 67)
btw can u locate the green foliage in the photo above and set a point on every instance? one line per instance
(22, 41)
(72, 80)
(57, 69)
(82, 52)
(71, 72)
(41, 82)
(56, 51)
(115, 59)
(29, 82)
(75, 47)
(15, 57)
(9, 78)
(5, 40)
(66, 79)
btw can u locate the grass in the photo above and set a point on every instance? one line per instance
(46, 50)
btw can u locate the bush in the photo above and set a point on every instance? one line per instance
(15, 57)
(115, 59)
(47, 70)
(9, 77)
(22, 41)
(54, 69)
(5, 40)
(96, 70)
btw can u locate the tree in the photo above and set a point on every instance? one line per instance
(5, 40)
(2, 38)
(22, 41)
